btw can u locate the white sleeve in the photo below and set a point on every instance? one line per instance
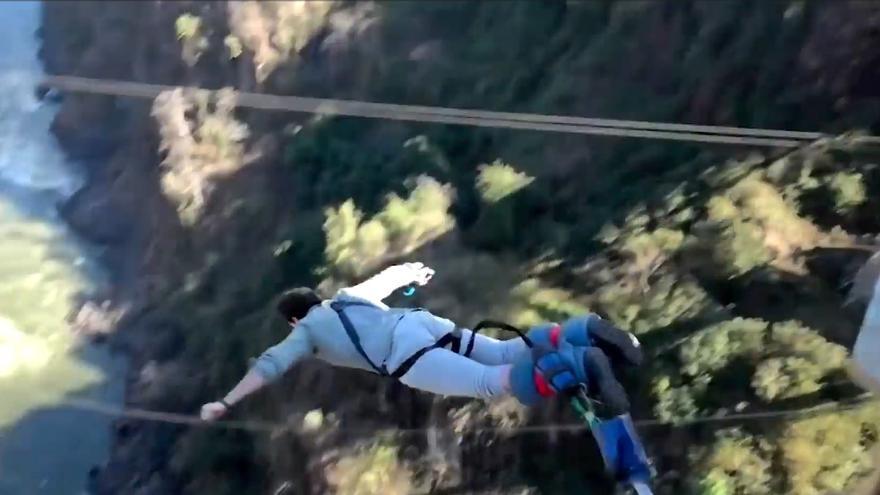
(381, 285)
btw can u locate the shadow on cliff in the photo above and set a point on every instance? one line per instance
(29, 446)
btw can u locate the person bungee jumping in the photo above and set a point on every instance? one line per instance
(356, 329)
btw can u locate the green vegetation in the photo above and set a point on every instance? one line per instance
(192, 36)
(372, 470)
(827, 453)
(233, 45)
(355, 247)
(736, 463)
(188, 26)
(499, 180)
(849, 191)
(784, 360)
(534, 303)
(201, 140)
(275, 31)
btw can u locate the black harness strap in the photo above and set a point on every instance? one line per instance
(410, 361)
(470, 347)
(352, 333)
(497, 324)
(453, 338)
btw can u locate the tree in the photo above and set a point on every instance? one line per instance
(355, 246)
(498, 180)
(421, 217)
(783, 378)
(828, 453)
(342, 228)
(192, 36)
(737, 463)
(848, 189)
(202, 140)
(534, 302)
(275, 32)
(371, 470)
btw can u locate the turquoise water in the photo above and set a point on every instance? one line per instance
(44, 448)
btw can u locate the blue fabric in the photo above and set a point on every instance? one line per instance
(575, 331)
(540, 334)
(625, 457)
(562, 367)
(556, 371)
(522, 383)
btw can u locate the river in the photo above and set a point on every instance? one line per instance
(44, 447)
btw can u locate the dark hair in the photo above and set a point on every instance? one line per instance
(296, 303)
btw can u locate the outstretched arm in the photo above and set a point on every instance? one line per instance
(251, 382)
(381, 285)
(271, 364)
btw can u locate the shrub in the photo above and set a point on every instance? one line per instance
(275, 31)
(749, 225)
(782, 378)
(849, 191)
(188, 26)
(193, 38)
(792, 337)
(419, 218)
(737, 463)
(666, 299)
(674, 403)
(827, 453)
(342, 228)
(233, 45)
(371, 470)
(804, 358)
(498, 180)
(714, 347)
(740, 247)
(534, 302)
(354, 247)
(201, 140)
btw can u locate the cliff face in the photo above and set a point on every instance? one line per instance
(204, 222)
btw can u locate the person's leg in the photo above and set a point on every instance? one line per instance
(488, 350)
(485, 350)
(621, 347)
(444, 372)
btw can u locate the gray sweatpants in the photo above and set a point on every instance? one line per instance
(444, 372)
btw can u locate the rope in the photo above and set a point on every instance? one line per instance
(167, 417)
(478, 118)
(273, 427)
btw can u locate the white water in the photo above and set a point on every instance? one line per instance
(44, 448)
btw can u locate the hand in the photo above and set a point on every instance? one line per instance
(212, 411)
(421, 274)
